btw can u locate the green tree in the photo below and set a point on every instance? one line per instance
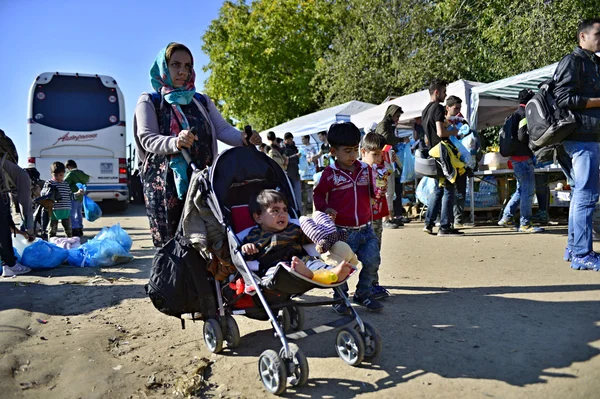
(262, 57)
(401, 45)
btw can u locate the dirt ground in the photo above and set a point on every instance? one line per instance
(493, 314)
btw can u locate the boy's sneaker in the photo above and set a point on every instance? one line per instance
(587, 262)
(369, 302)
(450, 233)
(530, 229)
(506, 222)
(378, 292)
(568, 255)
(541, 217)
(17, 269)
(428, 229)
(460, 225)
(341, 308)
(397, 222)
(389, 225)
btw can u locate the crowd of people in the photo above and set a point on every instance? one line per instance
(41, 205)
(357, 184)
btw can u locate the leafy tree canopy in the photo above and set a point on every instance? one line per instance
(273, 60)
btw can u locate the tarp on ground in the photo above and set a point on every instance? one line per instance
(413, 105)
(492, 102)
(311, 124)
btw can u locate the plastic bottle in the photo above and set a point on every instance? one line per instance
(324, 276)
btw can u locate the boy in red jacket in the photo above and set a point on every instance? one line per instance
(344, 192)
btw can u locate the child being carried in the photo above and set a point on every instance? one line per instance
(275, 240)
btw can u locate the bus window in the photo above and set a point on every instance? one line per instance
(73, 103)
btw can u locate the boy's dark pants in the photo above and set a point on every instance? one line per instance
(66, 224)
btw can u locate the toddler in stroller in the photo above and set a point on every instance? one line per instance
(275, 240)
(281, 272)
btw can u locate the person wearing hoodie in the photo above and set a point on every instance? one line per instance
(387, 128)
(73, 177)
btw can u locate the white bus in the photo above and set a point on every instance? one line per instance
(80, 117)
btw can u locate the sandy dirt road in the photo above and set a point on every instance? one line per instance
(494, 314)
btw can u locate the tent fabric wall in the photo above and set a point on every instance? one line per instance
(413, 105)
(492, 102)
(318, 121)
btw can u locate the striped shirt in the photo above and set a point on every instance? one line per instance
(62, 208)
(277, 247)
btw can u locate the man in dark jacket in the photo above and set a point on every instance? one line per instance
(522, 161)
(293, 155)
(387, 126)
(577, 78)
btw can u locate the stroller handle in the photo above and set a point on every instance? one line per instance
(248, 132)
(188, 158)
(186, 153)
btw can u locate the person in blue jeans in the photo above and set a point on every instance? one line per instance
(434, 125)
(344, 192)
(522, 161)
(577, 88)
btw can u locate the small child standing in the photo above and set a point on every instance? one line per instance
(275, 240)
(62, 208)
(371, 152)
(73, 177)
(344, 192)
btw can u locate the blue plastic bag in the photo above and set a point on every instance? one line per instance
(43, 255)
(426, 190)
(408, 164)
(91, 210)
(105, 253)
(115, 233)
(465, 155)
(110, 247)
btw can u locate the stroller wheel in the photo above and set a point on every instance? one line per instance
(297, 366)
(372, 340)
(296, 317)
(349, 346)
(283, 319)
(232, 336)
(213, 336)
(272, 372)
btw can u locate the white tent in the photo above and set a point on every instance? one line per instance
(412, 105)
(492, 102)
(316, 122)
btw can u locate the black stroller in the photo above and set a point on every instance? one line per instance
(236, 175)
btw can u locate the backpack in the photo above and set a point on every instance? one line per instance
(507, 138)
(548, 124)
(179, 281)
(8, 149)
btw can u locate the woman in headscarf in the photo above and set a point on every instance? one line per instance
(161, 133)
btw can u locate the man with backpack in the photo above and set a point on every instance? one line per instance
(577, 88)
(514, 142)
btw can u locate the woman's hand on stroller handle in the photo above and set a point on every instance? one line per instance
(185, 139)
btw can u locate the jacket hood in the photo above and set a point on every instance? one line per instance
(391, 110)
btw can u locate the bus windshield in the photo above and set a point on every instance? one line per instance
(72, 103)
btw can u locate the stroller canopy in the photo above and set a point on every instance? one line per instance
(242, 172)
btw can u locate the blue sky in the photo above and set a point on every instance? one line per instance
(119, 38)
